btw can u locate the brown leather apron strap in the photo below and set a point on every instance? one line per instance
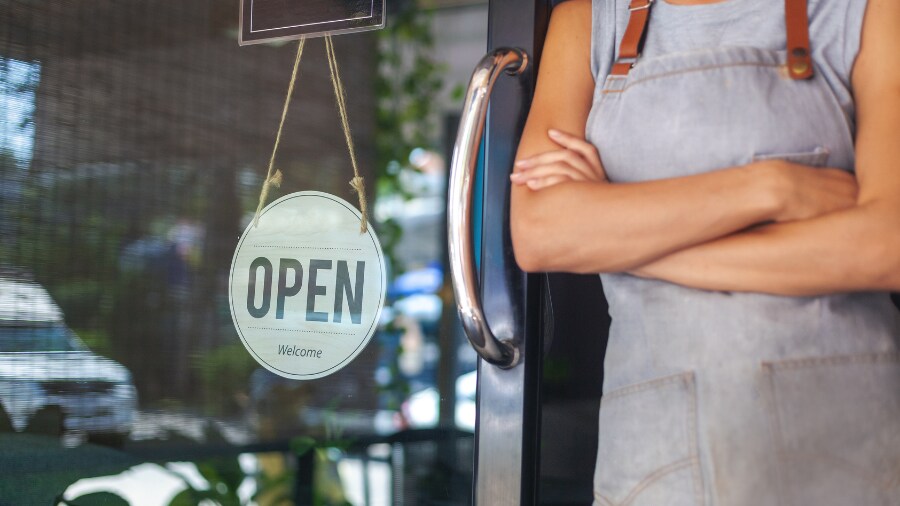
(799, 57)
(633, 40)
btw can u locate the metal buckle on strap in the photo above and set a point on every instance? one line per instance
(637, 5)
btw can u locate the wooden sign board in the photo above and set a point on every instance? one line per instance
(270, 20)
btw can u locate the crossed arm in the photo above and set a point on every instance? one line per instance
(825, 233)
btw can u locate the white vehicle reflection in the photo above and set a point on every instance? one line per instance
(50, 382)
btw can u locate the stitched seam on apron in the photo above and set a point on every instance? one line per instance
(656, 476)
(694, 69)
(775, 427)
(695, 446)
(685, 377)
(600, 498)
(692, 460)
(649, 480)
(770, 370)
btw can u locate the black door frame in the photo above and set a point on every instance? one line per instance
(507, 439)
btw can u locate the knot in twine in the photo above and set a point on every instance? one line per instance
(275, 179)
(358, 184)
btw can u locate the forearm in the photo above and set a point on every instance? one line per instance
(853, 250)
(599, 227)
(856, 249)
(596, 227)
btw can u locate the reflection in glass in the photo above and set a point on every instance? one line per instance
(38, 338)
(133, 138)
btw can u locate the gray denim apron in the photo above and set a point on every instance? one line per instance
(738, 399)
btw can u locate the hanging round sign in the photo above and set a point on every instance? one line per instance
(306, 288)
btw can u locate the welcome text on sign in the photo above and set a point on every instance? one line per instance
(296, 351)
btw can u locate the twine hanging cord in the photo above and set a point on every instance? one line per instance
(275, 179)
(339, 96)
(274, 176)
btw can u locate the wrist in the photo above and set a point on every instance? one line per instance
(770, 189)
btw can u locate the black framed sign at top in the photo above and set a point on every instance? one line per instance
(267, 20)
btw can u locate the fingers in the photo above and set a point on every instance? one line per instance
(841, 183)
(580, 146)
(546, 182)
(577, 161)
(817, 191)
(560, 156)
(838, 174)
(557, 171)
(577, 152)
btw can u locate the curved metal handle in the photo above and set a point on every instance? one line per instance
(504, 353)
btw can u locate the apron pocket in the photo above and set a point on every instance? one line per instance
(836, 422)
(647, 451)
(815, 158)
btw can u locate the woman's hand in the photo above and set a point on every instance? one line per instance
(578, 160)
(807, 192)
(804, 192)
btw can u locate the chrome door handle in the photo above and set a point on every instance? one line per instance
(463, 163)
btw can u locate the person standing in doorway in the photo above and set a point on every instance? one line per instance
(731, 169)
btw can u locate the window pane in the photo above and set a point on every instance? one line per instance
(134, 137)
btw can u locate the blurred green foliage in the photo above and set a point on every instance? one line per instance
(224, 374)
(96, 339)
(407, 86)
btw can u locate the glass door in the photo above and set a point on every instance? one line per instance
(134, 137)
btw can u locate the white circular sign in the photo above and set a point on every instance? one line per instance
(306, 288)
